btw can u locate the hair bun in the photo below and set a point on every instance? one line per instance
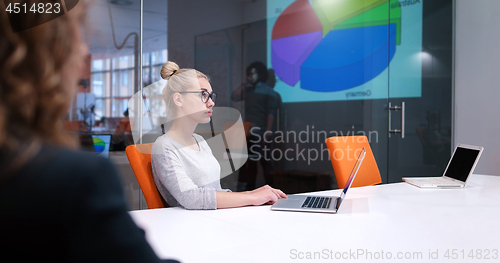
(168, 69)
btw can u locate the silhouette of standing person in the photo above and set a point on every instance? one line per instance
(261, 104)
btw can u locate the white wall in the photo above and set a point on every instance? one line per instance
(477, 78)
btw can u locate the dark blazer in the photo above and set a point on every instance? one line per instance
(67, 206)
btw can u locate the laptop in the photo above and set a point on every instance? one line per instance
(101, 144)
(98, 144)
(320, 204)
(460, 167)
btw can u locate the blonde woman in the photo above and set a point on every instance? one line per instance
(185, 171)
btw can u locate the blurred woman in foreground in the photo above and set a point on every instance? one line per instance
(55, 203)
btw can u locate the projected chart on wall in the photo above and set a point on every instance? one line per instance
(341, 49)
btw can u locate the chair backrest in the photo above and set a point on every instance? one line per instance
(139, 157)
(343, 152)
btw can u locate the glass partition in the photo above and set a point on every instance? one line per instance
(324, 68)
(101, 110)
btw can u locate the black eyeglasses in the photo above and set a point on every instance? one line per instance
(204, 95)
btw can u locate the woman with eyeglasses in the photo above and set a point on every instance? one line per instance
(185, 171)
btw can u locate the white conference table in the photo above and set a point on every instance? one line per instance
(392, 220)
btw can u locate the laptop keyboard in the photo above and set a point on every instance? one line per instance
(317, 202)
(438, 181)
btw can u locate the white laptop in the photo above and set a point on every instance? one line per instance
(461, 165)
(321, 204)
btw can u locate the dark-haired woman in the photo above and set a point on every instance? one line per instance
(56, 204)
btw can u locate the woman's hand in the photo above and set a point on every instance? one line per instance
(265, 195)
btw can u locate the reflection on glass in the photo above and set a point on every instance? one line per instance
(405, 36)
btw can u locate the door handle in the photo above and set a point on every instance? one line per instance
(397, 108)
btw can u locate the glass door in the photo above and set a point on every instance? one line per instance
(420, 91)
(331, 63)
(328, 61)
(338, 67)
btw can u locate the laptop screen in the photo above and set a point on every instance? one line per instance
(353, 174)
(98, 144)
(101, 144)
(462, 163)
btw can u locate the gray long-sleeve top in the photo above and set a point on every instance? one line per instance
(185, 177)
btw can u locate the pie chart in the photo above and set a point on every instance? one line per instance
(334, 45)
(99, 145)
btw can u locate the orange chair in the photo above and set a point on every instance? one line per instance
(139, 157)
(344, 151)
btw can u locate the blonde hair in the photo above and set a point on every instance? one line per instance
(177, 81)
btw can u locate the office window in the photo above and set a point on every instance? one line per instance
(113, 82)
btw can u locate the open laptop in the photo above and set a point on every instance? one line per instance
(97, 143)
(101, 144)
(461, 165)
(321, 204)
